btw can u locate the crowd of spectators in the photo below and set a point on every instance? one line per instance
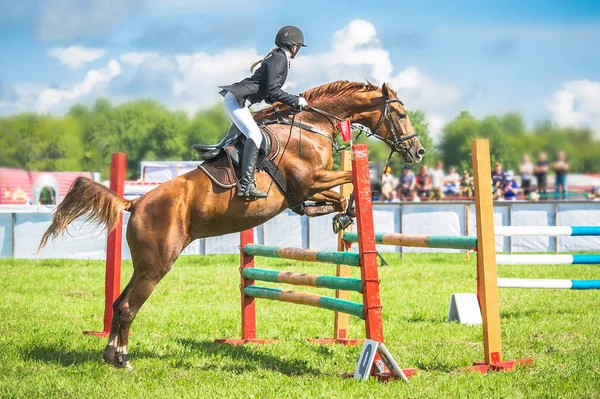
(427, 184)
(438, 184)
(530, 188)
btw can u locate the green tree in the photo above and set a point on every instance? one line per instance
(455, 143)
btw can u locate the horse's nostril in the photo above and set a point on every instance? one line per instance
(421, 151)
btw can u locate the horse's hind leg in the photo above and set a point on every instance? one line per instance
(147, 274)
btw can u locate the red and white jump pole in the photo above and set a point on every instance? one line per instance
(114, 245)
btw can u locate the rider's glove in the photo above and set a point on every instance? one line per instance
(302, 102)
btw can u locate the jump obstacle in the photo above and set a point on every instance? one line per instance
(366, 260)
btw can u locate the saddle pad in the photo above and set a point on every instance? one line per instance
(219, 170)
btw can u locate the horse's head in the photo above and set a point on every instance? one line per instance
(384, 114)
(377, 108)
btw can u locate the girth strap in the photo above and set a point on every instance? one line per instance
(273, 171)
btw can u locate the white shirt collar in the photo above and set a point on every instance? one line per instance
(289, 60)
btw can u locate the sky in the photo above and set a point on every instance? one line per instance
(540, 58)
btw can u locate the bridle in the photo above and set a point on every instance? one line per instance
(398, 142)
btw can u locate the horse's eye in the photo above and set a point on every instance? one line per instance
(402, 116)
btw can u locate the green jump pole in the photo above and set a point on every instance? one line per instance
(309, 280)
(303, 298)
(308, 255)
(408, 240)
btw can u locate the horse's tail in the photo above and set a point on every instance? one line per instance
(85, 196)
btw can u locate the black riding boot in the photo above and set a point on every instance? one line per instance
(249, 158)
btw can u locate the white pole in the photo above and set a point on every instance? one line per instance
(534, 283)
(521, 231)
(534, 259)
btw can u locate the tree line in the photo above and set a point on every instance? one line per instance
(85, 138)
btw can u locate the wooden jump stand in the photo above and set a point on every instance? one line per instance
(487, 274)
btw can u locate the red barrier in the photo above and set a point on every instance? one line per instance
(114, 245)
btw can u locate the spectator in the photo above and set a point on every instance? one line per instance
(452, 182)
(561, 167)
(407, 182)
(386, 193)
(498, 177)
(423, 184)
(510, 187)
(394, 197)
(414, 197)
(437, 181)
(526, 171)
(466, 184)
(541, 173)
(387, 184)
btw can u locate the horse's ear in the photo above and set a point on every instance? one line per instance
(385, 90)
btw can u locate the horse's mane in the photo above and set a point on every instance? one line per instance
(341, 89)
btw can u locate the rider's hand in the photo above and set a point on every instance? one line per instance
(302, 102)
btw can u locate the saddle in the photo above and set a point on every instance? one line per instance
(221, 162)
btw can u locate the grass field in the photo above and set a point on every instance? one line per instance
(44, 306)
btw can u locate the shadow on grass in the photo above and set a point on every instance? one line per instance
(252, 359)
(69, 357)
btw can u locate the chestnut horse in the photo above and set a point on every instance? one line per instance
(165, 220)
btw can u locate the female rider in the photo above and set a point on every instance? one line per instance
(264, 84)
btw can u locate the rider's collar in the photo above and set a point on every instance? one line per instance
(287, 56)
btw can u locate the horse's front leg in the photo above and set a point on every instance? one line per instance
(326, 202)
(328, 179)
(337, 200)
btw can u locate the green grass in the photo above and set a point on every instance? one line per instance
(45, 305)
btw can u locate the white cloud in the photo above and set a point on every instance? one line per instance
(201, 73)
(50, 99)
(135, 58)
(76, 56)
(422, 91)
(436, 124)
(22, 97)
(355, 54)
(577, 104)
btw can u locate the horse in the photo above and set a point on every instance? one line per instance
(191, 206)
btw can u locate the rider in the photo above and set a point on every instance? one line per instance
(264, 84)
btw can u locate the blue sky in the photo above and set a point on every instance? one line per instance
(540, 58)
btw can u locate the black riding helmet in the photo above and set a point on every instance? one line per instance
(288, 37)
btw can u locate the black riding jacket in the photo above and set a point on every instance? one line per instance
(265, 83)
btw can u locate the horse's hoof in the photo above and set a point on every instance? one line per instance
(109, 354)
(340, 222)
(122, 361)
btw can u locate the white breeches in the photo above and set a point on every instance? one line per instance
(243, 119)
